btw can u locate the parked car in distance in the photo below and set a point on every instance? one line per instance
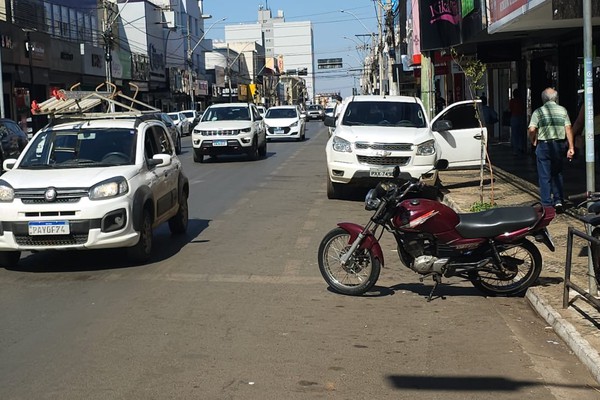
(373, 134)
(285, 122)
(173, 129)
(12, 138)
(193, 117)
(315, 111)
(262, 110)
(182, 122)
(230, 128)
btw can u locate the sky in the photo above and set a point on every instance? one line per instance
(334, 32)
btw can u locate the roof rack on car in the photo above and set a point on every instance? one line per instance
(81, 103)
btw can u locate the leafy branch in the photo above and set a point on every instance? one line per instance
(474, 70)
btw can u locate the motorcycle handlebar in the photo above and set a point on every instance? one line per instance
(585, 196)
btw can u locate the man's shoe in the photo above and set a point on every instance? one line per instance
(558, 207)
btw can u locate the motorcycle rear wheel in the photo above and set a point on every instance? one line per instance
(523, 265)
(354, 279)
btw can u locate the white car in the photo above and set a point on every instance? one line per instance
(285, 122)
(181, 122)
(262, 110)
(373, 134)
(92, 183)
(230, 128)
(192, 117)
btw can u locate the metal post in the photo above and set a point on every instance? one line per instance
(589, 120)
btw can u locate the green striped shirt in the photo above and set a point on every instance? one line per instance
(550, 120)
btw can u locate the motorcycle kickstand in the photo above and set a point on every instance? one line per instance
(437, 279)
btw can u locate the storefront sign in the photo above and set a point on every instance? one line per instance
(501, 8)
(439, 23)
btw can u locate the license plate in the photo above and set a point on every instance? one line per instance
(49, 228)
(381, 172)
(278, 131)
(220, 143)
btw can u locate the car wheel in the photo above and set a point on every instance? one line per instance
(178, 145)
(179, 222)
(262, 150)
(253, 152)
(9, 259)
(198, 157)
(334, 190)
(141, 252)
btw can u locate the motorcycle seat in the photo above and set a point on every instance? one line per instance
(496, 221)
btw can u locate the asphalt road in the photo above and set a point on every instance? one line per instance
(237, 310)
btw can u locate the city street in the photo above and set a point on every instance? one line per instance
(237, 309)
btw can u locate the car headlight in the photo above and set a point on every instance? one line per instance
(294, 124)
(246, 130)
(426, 149)
(110, 188)
(341, 145)
(7, 193)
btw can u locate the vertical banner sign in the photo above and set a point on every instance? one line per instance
(440, 24)
(467, 6)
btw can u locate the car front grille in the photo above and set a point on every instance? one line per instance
(54, 240)
(225, 132)
(285, 130)
(384, 146)
(36, 196)
(367, 160)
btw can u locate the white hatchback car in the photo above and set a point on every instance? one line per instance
(230, 128)
(285, 122)
(181, 122)
(373, 134)
(92, 183)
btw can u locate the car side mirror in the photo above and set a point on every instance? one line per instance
(9, 164)
(442, 125)
(159, 160)
(329, 121)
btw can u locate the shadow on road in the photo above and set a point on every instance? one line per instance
(165, 246)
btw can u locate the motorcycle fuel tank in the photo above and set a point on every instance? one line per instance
(425, 215)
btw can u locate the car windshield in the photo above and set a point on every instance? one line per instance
(384, 113)
(174, 116)
(314, 108)
(81, 148)
(233, 113)
(188, 114)
(281, 113)
(329, 110)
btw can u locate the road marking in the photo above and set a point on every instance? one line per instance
(292, 267)
(302, 242)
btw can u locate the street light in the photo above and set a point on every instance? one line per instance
(191, 52)
(376, 47)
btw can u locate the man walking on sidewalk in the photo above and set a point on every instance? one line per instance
(549, 127)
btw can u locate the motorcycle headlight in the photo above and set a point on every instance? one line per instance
(426, 149)
(371, 200)
(110, 188)
(7, 193)
(341, 145)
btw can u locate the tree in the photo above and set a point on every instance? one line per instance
(474, 70)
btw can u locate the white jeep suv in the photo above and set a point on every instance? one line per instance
(230, 128)
(102, 182)
(373, 134)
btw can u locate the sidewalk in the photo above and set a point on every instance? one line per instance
(515, 183)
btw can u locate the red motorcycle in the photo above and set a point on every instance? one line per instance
(489, 248)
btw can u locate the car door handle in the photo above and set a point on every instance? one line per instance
(478, 137)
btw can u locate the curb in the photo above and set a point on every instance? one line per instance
(567, 332)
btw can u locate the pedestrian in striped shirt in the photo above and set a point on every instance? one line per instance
(549, 129)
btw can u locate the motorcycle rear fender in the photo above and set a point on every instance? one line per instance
(369, 242)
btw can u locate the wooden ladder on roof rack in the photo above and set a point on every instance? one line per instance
(74, 101)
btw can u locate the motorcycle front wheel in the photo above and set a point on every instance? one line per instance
(522, 265)
(356, 277)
